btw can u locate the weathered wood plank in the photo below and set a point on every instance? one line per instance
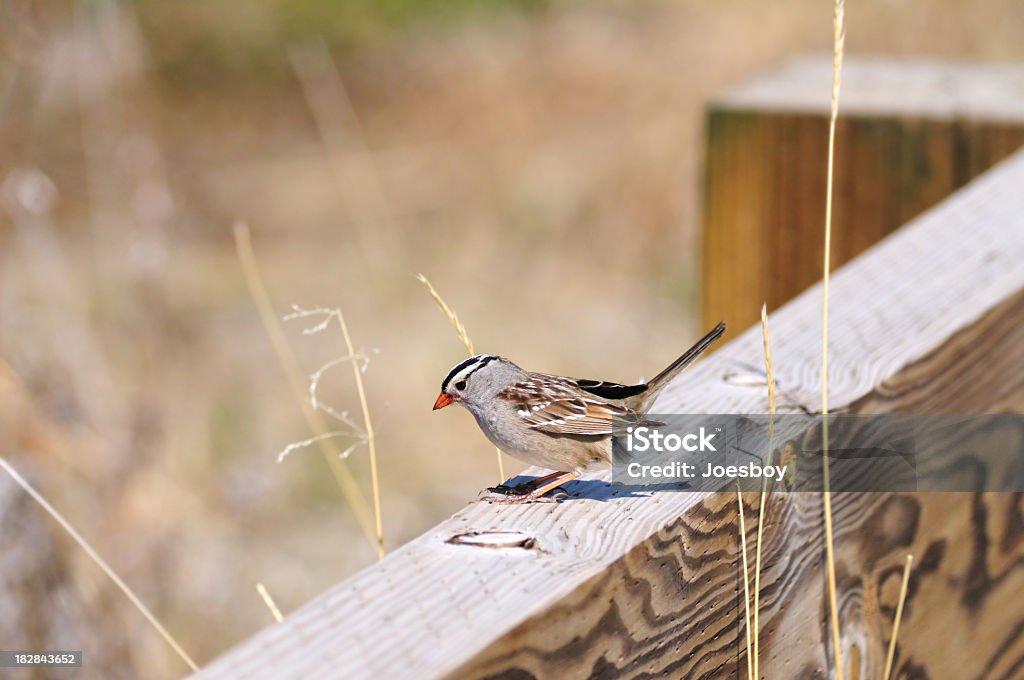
(909, 134)
(928, 320)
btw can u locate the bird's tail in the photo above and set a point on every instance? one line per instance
(656, 384)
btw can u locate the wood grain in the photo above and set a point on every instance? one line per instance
(643, 586)
(909, 134)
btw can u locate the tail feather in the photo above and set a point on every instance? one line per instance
(658, 382)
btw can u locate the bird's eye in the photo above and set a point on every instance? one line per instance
(461, 385)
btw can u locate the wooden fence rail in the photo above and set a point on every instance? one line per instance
(929, 320)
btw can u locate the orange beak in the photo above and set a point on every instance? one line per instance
(442, 401)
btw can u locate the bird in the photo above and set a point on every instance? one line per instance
(552, 421)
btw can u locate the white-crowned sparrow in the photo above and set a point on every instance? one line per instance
(563, 424)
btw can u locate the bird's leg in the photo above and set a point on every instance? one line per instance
(524, 488)
(556, 480)
(540, 487)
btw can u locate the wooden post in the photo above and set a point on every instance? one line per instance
(930, 320)
(910, 133)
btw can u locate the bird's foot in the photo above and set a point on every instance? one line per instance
(522, 493)
(507, 490)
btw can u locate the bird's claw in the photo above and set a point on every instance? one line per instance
(514, 495)
(506, 490)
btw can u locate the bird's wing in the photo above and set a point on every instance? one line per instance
(556, 405)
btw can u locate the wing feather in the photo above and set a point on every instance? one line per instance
(557, 405)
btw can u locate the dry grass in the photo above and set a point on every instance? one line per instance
(366, 434)
(100, 562)
(371, 442)
(453, 318)
(899, 615)
(838, 37)
(269, 601)
(349, 487)
(460, 330)
(746, 582)
(770, 373)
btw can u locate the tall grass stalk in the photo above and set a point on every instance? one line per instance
(350, 490)
(269, 601)
(100, 562)
(365, 433)
(770, 372)
(371, 442)
(838, 38)
(899, 615)
(460, 330)
(746, 582)
(453, 318)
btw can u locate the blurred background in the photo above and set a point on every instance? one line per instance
(538, 160)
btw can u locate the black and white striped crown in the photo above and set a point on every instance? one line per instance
(467, 368)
